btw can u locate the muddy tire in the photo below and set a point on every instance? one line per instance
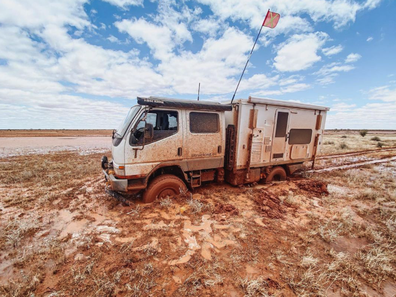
(276, 174)
(163, 186)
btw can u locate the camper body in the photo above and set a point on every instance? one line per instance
(167, 145)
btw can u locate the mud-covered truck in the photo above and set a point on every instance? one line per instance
(167, 146)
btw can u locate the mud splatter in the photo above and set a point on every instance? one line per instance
(270, 205)
(313, 186)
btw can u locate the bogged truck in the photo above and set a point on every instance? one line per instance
(166, 147)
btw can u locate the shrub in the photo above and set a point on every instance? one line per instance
(363, 132)
(376, 138)
(343, 136)
(343, 146)
(380, 144)
(328, 142)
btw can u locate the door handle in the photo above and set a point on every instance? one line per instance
(287, 136)
(179, 151)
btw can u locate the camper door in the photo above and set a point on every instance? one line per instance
(281, 129)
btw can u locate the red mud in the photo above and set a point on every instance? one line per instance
(313, 186)
(225, 208)
(270, 205)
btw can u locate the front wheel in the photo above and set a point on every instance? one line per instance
(163, 186)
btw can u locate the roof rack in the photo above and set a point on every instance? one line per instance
(182, 103)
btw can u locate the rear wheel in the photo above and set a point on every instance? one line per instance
(163, 186)
(276, 174)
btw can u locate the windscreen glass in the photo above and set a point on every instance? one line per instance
(124, 125)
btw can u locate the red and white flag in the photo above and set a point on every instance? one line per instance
(271, 19)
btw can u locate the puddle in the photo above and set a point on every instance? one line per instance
(252, 270)
(390, 289)
(73, 228)
(351, 245)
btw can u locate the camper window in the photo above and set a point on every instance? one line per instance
(204, 122)
(300, 136)
(281, 124)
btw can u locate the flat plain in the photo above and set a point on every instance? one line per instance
(324, 232)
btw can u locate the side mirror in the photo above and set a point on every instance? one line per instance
(148, 132)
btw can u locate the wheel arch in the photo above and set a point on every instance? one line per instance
(174, 169)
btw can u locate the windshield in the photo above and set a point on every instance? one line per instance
(124, 125)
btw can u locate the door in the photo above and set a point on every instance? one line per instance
(164, 145)
(280, 136)
(204, 140)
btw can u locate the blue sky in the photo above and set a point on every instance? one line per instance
(81, 64)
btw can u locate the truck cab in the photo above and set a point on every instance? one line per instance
(171, 143)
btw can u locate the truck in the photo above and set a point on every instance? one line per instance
(165, 146)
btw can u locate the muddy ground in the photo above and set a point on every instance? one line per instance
(316, 234)
(20, 146)
(54, 133)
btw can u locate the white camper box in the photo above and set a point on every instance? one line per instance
(273, 132)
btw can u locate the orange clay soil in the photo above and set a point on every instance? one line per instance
(60, 234)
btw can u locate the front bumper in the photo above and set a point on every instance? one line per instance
(118, 185)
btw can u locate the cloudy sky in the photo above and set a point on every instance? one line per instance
(81, 64)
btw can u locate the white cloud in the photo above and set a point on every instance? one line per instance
(292, 88)
(125, 3)
(46, 60)
(369, 39)
(208, 26)
(167, 32)
(342, 107)
(326, 80)
(37, 14)
(372, 3)
(295, 88)
(340, 12)
(384, 93)
(329, 72)
(351, 58)
(334, 67)
(333, 50)
(378, 115)
(43, 111)
(214, 66)
(290, 80)
(258, 81)
(369, 116)
(299, 52)
(158, 38)
(113, 39)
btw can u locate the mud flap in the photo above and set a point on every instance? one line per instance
(315, 149)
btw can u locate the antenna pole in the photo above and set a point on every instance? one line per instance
(247, 62)
(199, 87)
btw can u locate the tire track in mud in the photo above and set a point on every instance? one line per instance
(353, 165)
(356, 153)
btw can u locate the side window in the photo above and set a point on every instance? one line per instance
(164, 122)
(281, 124)
(300, 136)
(203, 122)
